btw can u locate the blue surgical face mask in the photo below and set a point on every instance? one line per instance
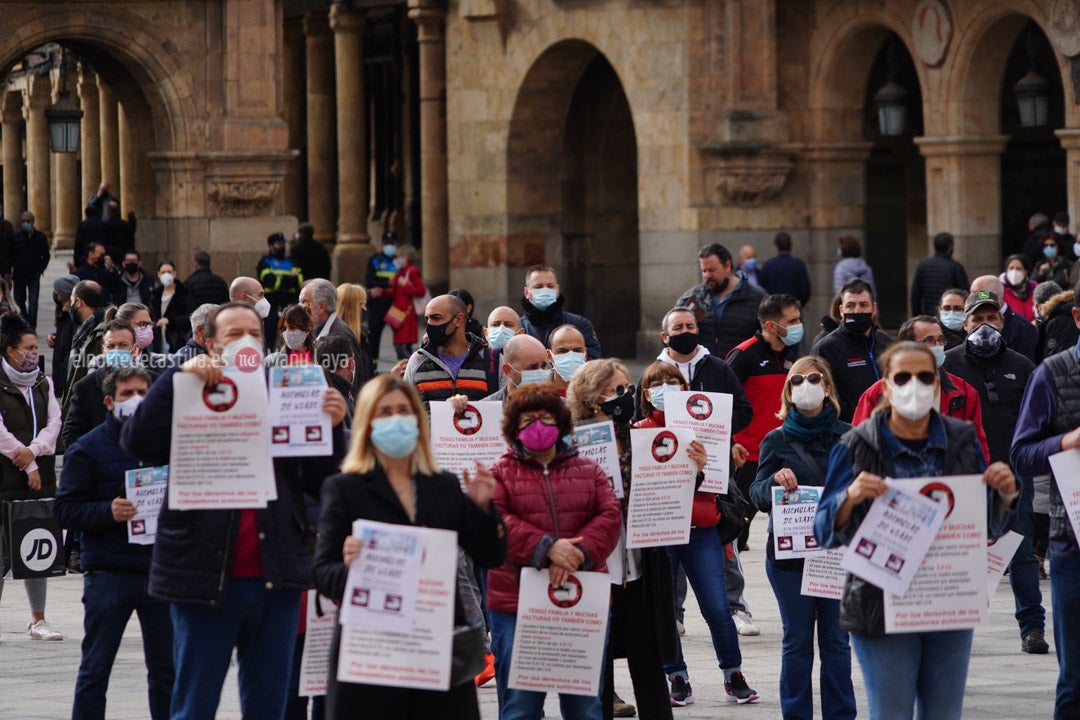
(389, 250)
(656, 395)
(498, 336)
(794, 335)
(939, 354)
(567, 363)
(543, 298)
(27, 227)
(395, 436)
(952, 319)
(534, 376)
(750, 264)
(117, 357)
(1050, 251)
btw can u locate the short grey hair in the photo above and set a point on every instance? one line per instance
(322, 291)
(199, 315)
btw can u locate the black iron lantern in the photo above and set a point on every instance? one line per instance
(1032, 91)
(64, 118)
(891, 104)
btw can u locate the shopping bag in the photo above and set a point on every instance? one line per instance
(396, 317)
(32, 539)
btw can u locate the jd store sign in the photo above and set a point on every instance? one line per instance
(33, 545)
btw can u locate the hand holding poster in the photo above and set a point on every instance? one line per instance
(145, 488)
(383, 582)
(458, 441)
(596, 441)
(708, 415)
(662, 490)
(948, 590)
(559, 633)
(793, 522)
(893, 538)
(298, 424)
(1066, 467)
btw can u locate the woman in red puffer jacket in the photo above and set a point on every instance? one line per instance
(560, 513)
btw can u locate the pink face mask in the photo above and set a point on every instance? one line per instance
(538, 437)
(144, 336)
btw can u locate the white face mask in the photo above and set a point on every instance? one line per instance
(125, 409)
(1014, 276)
(231, 350)
(167, 279)
(262, 307)
(808, 396)
(912, 400)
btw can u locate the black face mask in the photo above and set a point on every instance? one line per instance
(620, 410)
(279, 253)
(438, 335)
(683, 343)
(858, 323)
(132, 268)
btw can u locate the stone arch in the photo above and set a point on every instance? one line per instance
(571, 186)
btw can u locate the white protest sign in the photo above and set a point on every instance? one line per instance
(662, 489)
(893, 538)
(381, 588)
(298, 424)
(318, 636)
(948, 591)
(793, 522)
(822, 575)
(457, 441)
(998, 556)
(596, 441)
(420, 658)
(145, 488)
(708, 414)
(219, 456)
(1066, 467)
(559, 633)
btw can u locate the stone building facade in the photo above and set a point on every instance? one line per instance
(608, 138)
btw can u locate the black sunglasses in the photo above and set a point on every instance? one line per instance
(621, 390)
(926, 377)
(812, 378)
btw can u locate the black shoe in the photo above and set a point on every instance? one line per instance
(738, 691)
(1034, 643)
(681, 692)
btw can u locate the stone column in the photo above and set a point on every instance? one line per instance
(110, 139)
(128, 173)
(66, 183)
(321, 128)
(12, 117)
(90, 136)
(38, 185)
(353, 248)
(963, 196)
(293, 108)
(430, 22)
(1070, 140)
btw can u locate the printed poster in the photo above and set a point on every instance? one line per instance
(145, 488)
(948, 591)
(793, 514)
(596, 441)
(662, 488)
(1066, 467)
(381, 589)
(421, 657)
(219, 457)
(457, 441)
(823, 576)
(299, 427)
(318, 636)
(999, 553)
(560, 632)
(708, 414)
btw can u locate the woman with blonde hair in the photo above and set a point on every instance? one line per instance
(389, 475)
(351, 304)
(794, 454)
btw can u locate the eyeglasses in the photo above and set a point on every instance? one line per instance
(658, 383)
(812, 378)
(621, 390)
(926, 377)
(930, 340)
(143, 324)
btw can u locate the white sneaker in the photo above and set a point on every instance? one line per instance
(743, 624)
(42, 630)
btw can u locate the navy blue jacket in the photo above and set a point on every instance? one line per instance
(785, 273)
(1020, 335)
(193, 552)
(539, 323)
(92, 476)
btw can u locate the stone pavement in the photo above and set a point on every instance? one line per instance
(37, 679)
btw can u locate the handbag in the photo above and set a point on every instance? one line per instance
(704, 513)
(33, 544)
(420, 303)
(734, 511)
(395, 317)
(468, 654)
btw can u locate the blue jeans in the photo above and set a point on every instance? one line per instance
(1024, 569)
(703, 561)
(928, 669)
(1065, 597)
(26, 292)
(799, 615)
(527, 704)
(109, 598)
(261, 625)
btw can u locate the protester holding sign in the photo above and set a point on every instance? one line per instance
(391, 476)
(28, 433)
(794, 454)
(560, 514)
(906, 438)
(702, 558)
(91, 500)
(642, 600)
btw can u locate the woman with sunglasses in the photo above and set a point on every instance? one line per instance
(561, 515)
(702, 558)
(905, 438)
(797, 453)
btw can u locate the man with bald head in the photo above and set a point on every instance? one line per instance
(450, 362)
(1019, 335)
(502, 324)
(524, 360)
(567, 352)
(250, 291)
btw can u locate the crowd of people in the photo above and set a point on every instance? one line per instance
(979, 381)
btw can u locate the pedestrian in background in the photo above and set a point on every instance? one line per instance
(851, 265)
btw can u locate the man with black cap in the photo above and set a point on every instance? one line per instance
(281, 279)
(1019, 334)
(1000, 375)
(60, 339)
(380, 271)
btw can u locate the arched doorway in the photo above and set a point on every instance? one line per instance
(572, 189)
